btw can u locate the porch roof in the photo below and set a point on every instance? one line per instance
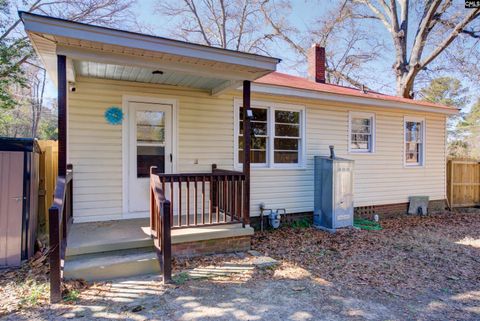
(102, 52)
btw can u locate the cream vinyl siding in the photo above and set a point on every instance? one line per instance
(205, 136)
(380, 177)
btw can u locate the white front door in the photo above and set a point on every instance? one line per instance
(149, 144)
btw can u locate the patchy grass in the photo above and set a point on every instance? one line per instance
(71, 296)
(34, 293)
(24, 287)
(28, 286)
(303, 223)
(180, 278)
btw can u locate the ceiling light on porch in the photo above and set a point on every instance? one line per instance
(157, 72)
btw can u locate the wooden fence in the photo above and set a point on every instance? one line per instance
(463, 182)
(48, 173)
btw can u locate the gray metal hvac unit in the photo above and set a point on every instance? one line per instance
(333, 192)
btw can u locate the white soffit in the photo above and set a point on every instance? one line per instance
(141, 74)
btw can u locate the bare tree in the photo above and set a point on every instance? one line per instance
(337, 32)
(436, 25)
(37, 82)
(229, 24)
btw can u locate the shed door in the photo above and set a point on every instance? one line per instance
(11, 201)
(150, 144)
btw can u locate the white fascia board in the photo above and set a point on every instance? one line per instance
(364, 101)
(69, 29)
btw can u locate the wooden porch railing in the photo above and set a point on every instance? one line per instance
(60, 219)
(199, 199)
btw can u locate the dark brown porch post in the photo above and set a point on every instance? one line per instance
(62, 114)
(246, 151)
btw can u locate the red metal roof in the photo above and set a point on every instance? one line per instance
(285, 80)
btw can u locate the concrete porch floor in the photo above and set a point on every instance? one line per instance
(97, 237)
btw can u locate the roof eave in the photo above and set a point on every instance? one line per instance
(64, 28)
(349, 99)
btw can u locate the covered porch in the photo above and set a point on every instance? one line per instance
(157, 201)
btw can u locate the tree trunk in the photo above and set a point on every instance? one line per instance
(405, 82)
(404, 87)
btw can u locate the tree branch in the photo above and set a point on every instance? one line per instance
(347, 78)
(278, 30)
(430, 10)
(193, 9)
(377, 12)
(242, 24)
(17, 22)
(454, 34)
(472, 33)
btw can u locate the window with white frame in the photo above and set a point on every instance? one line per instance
(276, 135)
(414, 141)
(361, 132)
(286, 149)
(259, 136)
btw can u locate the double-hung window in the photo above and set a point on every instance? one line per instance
(259, 138)
(277, 135)
(361, 132)
(414, 129)
(287, 139)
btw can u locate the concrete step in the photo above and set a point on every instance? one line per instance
(111, 265)
(138, 238)
(109, 254)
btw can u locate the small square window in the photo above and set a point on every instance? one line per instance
(362, 133)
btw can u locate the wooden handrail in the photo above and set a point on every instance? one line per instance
(60, 219)
(60, 191)
(184, 176)
(160, 226)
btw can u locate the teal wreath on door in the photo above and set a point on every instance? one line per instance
(114, 115)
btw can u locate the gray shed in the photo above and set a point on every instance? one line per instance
(19, 163)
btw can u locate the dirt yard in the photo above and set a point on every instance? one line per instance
(413, 269)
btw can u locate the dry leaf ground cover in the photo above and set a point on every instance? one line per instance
(410, 256)
(413, 269)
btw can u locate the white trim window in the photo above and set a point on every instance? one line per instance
(278, 135)
(361, 132)
(259, 138)
(414, 141)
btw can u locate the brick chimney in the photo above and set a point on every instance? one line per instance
(316, 63)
